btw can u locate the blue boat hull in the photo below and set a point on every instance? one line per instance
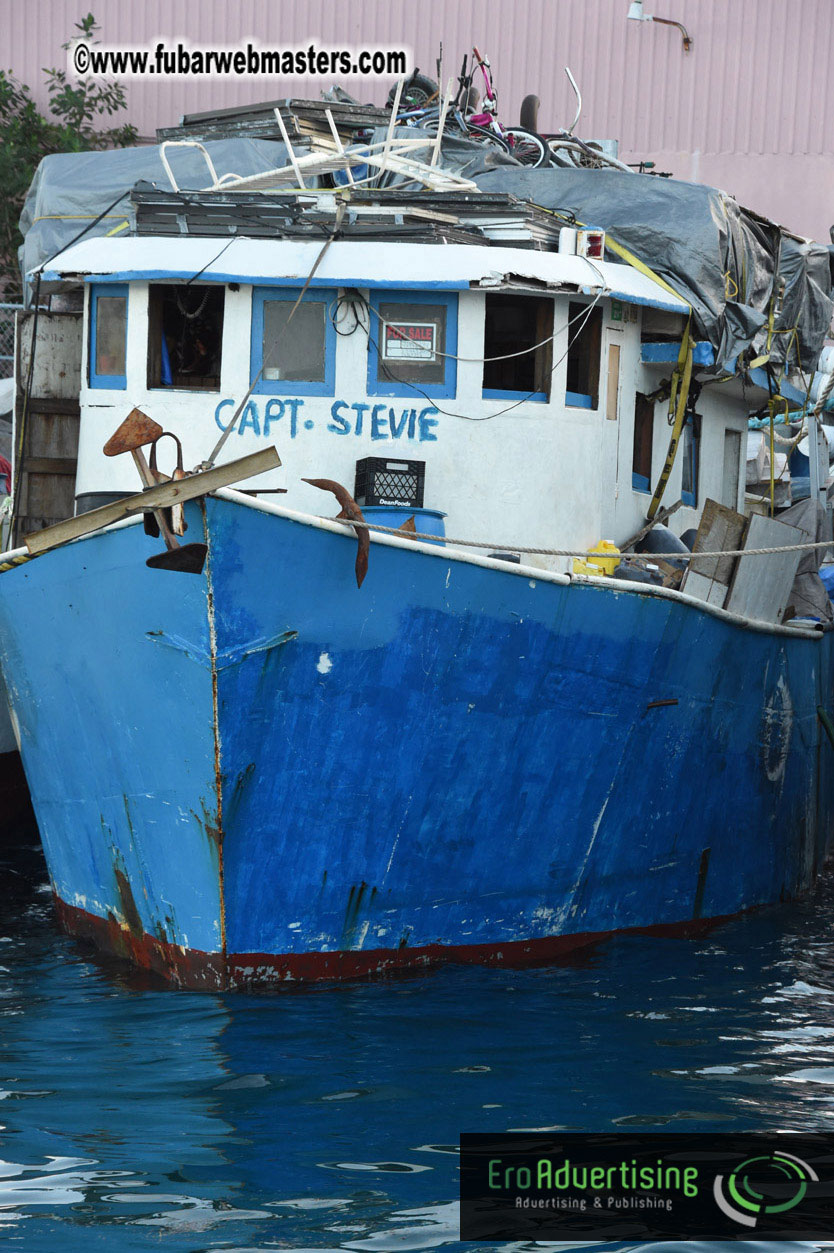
(264, 773)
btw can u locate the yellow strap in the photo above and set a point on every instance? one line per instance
(623, 253)
(681, 379)
(620, 251)
(70, 217)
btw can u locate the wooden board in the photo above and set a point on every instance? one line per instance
(159, 497)
(720, 529)
(49, 423)
(761, 586)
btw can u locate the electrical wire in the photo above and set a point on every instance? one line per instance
(194, 277)
(584, 316)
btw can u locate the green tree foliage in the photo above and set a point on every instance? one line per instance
(26, 136)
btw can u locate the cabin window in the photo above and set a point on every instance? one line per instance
(185, 336)
(108, 336)
(518, 347)
(412, 344)
(584, 345)
(296, 354)
(690, 458)
(641, 464)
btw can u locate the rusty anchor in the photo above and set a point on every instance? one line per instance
(174, 514)
(349, 510)
(132, 436)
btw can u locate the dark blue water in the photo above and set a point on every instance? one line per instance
(134, 1117)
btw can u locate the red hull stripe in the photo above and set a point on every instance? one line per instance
(193, 969)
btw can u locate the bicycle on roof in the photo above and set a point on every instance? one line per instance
(463, 117)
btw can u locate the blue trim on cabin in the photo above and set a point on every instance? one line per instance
(385, 387)
(631, 299)
(786, 389)
(667, 353)
(490, 393)
(176, 276)
(110, 382)
(578, 400)
(640, 483)
(703, 354)
(292, 387)
(256, 280)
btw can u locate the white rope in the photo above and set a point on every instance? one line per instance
(584, 552)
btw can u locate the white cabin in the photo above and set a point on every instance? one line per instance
(518, 377)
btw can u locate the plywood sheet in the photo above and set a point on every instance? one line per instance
(762, 585)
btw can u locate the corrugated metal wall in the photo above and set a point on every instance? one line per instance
(750, 108)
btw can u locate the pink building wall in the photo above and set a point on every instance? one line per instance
(749, 109)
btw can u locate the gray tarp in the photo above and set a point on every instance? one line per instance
(717, 255)
(70, 189)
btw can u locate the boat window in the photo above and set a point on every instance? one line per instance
(185, 336)
(518, 347)
(296, 352)
(690, 458)
(108, 336)
(412, 345)
(641, 464)
(585, 340)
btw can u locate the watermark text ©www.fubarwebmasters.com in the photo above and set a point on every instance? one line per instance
(185, 60)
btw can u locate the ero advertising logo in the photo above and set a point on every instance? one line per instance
(534, 1186)
(757, 1187)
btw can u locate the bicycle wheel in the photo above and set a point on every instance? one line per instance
(417, 92)
(527, 147)
(483, 135)
(451, 126)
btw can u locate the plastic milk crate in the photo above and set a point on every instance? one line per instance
(383, 482)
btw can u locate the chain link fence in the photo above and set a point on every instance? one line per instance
(7, 315)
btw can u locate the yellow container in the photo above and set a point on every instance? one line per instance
(601, 564)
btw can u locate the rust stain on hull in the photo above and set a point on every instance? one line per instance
(128, 905)
(201, 971)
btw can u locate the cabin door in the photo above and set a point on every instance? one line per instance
(732, 469)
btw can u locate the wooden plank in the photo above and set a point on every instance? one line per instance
(762, 585)
(50, 465)
(49, 405)
(720, 528)
(51, 435)
(50, 495)
(57, 370)
(189, 488)
(612, 392)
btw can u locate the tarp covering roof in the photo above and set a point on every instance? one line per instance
(723, 259)
(70, 189)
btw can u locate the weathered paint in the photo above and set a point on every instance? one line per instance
(535, 499)
(118, 745)
(492, 767)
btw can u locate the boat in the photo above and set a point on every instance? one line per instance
(464, 720)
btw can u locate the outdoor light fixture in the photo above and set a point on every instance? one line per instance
(636, 14)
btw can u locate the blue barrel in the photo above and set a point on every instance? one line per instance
(426, 521)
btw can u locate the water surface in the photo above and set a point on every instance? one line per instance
(136, 1117)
